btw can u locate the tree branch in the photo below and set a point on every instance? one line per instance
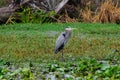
(61, 5)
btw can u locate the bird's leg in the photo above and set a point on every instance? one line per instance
(62, 56)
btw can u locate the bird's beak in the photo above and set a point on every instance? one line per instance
(74, 28)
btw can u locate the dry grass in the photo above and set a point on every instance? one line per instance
(107, 12)
(65, 18)
(87, 15)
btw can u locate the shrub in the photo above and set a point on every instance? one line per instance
(27, 15)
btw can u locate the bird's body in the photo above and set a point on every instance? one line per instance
(62, 40)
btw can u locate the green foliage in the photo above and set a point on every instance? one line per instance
(21, 73)
(92, 55)
(73, 70)
(36, 16)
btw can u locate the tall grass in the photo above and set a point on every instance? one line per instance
(36, 42)
(108, 12)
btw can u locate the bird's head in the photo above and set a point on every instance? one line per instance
(69, 28)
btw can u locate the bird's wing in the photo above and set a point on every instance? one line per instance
(60, 40)
(67, 37)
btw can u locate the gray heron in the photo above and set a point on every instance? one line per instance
(63, 39)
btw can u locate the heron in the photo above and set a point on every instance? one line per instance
(63, 39)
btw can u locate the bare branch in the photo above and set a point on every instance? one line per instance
(61, 5)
